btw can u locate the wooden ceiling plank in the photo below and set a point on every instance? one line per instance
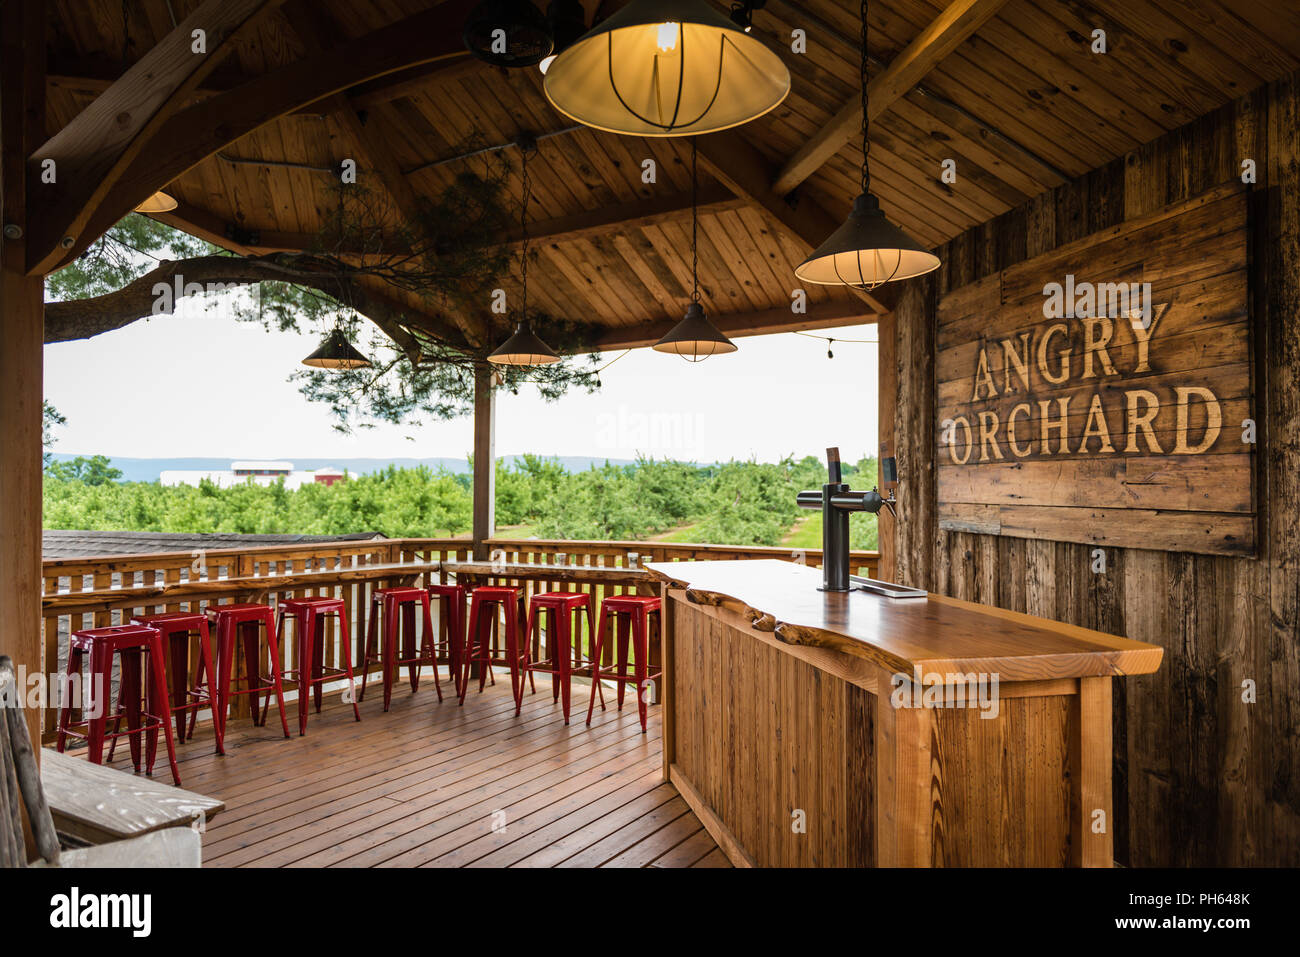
(736, 265)
(958, 21)
(632, 247)
(761, 253)
(94, 151)
(735, 163)
(1252, 48)
(600, 303)
(191, 135)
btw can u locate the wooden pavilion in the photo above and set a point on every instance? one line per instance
(1142, 141)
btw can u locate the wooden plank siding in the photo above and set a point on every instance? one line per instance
(1201, 777)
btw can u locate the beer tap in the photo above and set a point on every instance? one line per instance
(836, 500)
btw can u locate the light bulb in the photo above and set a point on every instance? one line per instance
(668, 33)
(546, 63)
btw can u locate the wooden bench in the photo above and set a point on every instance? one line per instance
(92, 804)
(100, 805)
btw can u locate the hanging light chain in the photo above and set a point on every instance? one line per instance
(523, 228)
(695, 224)
(866, 117)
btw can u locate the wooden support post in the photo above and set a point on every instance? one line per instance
(22, 335)
(904, 777)
(668, 662)
(1091, 807)
(484, 460)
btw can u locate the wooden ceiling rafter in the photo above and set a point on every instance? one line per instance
(93, 153)
(959, 20)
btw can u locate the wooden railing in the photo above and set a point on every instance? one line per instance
(100, 577)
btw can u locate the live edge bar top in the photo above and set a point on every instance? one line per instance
(937, 635)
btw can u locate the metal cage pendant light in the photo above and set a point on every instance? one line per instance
(666, 68)
(336, 352)
(868, 250)
(524, 347)
(695, 338)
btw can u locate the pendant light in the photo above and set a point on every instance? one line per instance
(524, 348)
(666, 68)
(695, 338)
(159, 202)
(509, 33)
(336, 352)
(868, 249)
(566, 18)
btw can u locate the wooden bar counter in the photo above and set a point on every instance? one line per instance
(790, 731)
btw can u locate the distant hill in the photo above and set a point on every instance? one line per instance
(148, 470)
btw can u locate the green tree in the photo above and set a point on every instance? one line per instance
(92, 470)
(50, 417)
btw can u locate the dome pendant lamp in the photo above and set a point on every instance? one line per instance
(524, 348)
(695, 338)
(868, 250)
(666, 68)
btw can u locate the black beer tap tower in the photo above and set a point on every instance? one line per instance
(836, 500)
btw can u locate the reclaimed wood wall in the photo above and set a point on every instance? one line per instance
(1207, 750)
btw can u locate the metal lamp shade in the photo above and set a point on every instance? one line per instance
(666, 68)
(695, 337)
(523, 348)
(336, 353)
(159, 202)
(527, 34)
(866, 251)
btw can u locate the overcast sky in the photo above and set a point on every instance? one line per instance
(201, 384)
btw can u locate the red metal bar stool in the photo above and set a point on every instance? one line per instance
(562, 611)
(479, 638)
(633, 614)
(399, 606)
(309, 615)
(246, 623)
(176, 628)
(131, 643)
(451, 626)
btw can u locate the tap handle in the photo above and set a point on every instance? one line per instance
(833, 466)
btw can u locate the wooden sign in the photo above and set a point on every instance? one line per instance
(1104, 392)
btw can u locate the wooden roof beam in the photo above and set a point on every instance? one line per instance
(620, 217)
(93, 153)
(957, 22)
(191, 135)
(826, 315)
(739, 166)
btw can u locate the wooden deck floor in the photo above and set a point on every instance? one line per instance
(431, 785)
